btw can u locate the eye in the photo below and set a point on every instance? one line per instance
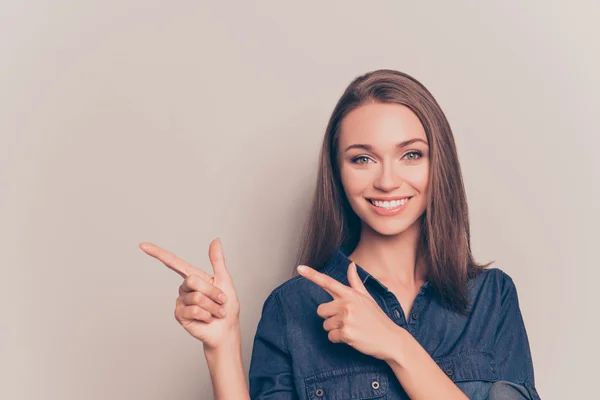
(416, 155)
(355, 159)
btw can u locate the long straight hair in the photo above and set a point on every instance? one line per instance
(444, 243)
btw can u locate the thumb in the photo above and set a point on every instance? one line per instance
(217, 258)
(355, 281)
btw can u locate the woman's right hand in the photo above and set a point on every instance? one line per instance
(198, 306)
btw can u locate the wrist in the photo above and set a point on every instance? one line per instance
(225, 365)
(395, 356)
(230, 343)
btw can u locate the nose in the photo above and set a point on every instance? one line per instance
(388, 178)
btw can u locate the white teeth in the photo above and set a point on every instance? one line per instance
(389, 204)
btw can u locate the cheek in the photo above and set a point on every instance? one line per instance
(354, 183)
(417, 177)
(420, 180)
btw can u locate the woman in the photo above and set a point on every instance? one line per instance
(394, 305)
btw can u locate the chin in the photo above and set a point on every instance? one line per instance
(389, 226)
(388, 229)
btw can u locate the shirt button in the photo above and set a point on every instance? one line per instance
(375, 385)
(449, 372)
(319, 392)
(396, 313)
(415, 315)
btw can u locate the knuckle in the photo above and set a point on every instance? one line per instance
(343, 334)
(190, 281)
(197, 298)
(346, 310)
(196, 311)
(204, 301)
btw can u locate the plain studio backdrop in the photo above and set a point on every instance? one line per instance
(176, 122)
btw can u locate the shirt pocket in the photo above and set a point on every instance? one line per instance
(473, 371)
(354, 383)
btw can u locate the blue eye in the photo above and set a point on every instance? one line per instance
(354, 160)
(413, 155)
(416, 152)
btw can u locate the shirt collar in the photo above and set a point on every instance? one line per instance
(337, 268)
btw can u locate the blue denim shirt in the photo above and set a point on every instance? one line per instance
(292, 357)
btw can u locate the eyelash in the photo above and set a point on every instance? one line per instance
(354, 160)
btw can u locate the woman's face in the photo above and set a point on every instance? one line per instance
(375, 165)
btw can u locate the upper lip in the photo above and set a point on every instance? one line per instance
(388, 198)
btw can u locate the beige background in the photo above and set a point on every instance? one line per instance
(179, 122)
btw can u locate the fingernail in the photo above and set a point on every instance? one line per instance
(302, 268)
(222, 297)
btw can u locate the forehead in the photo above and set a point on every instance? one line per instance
(380, 124)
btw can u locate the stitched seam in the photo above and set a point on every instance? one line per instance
(465, 353)
(286, 283)
(285, 330)
(333, 373)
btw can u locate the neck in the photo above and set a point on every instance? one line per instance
(392, 260)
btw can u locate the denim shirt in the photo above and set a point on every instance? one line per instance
(292, 357)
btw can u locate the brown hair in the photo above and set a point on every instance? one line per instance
(445, 239)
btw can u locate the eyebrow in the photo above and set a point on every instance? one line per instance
(370, 148)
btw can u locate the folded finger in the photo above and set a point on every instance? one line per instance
(326, 310)
(195, 283)
(195, 313)
(334, 322)
(199, 299)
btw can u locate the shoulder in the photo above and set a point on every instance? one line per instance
(291, 285)
(493, 276)
(295, 296)
(493, 283)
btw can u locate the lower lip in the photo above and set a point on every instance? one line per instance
(391, 211)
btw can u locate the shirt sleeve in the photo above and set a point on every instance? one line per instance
(270, 374)
(511, 345)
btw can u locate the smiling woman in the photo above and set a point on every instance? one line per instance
(390, 200)
(390, 303)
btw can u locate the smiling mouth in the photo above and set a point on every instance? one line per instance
(389, 205)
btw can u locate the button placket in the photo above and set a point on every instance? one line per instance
(418, 304)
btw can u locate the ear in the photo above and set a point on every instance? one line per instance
(355, 281)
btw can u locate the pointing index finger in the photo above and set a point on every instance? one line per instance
(330, 285)
(183, 268)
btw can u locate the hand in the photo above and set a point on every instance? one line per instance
(198, 303)
(354, 317)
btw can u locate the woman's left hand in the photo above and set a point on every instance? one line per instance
(354, 317)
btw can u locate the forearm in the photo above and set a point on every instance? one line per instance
(227, 371)
(419, 375)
